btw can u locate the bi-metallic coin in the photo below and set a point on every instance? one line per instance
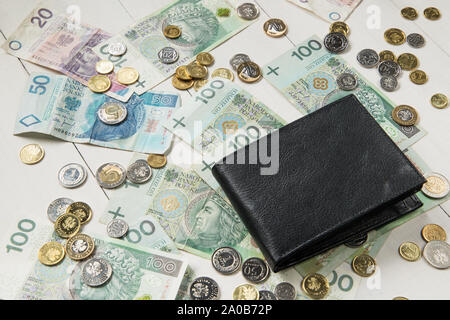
(249, 72)
(405, 115)
(436, 187)
(111, 175)
(112, 112)
(237, 59)
(80, 246)
(275, 28)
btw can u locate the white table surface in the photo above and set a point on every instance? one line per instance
(27, 190)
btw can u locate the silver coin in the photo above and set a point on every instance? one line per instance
(117, 49)
(139, 172)
(112, 113)
(204, 288)
(57, 208)
(96, 272)
(389, 83)
(437, 253)
(415, 40)
(285, 291)
(111, 175)
(72, 175)
(117, 228)
(237, 59)
(335, 42)
(368, 58)
(266, 295)
(168, 55)
(357, 242)
(248, 11)
(255, 270)
(437, 186)
(347, 81)
(389, 68)
(226, 260)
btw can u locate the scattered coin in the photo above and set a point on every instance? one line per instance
(223, 73)
(226, 260)
(255, 270)
(285, 291)
(409, 251)
(111, 175)
(156, 161)
(407, 61)
(316, 286)
(99, 83)
(248, 11)
(182, 74)
(72, 175)
(112, 112)
(368, 58)
(409, 13)
(347, 82)
(357, 241)
(436, 187)
(389, 68)
(387, 55)
(168, 55)
(246, 292)
(204, 288)
(104, 67)
(127, 75)
(275, 28)
(340, 26)
(197, 71)
(432, 13)
(67, 225)
(57, 208)
(96, 272)
(389, 83)
(117, 49)
(31, 154)
(400, 298)
(81, 210)
(237, 59)
(415, 40)
(51, 253)
(117, 228)
(418, 77)
(249, 72)
(199, 84)
(335, 42)
(433, 232)
(437, 253)
(182, 84)
(205, 58)
(364, 265)
(139, 172)
(395, 36)
(80, 246)
(266, 295)
(172, 32)
(405, 115)
(439, 101)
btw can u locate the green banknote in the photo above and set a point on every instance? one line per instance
(306, 76)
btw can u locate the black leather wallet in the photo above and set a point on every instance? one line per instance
(339, 176)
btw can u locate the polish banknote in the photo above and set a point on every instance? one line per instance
(201, 30)
(64, 108)
(306, 76)
(329, 10)
(51, 38)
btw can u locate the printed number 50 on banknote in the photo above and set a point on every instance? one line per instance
(306, 76)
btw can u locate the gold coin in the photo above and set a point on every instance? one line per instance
(405, 115)
(104, 67)
(81, 210)
(439, 101)
(432, 13)
(182, 74)
(99, 83)
(245, 292)
(395, 36)
(156, 161)
(275, 28)
(387, 55)
(409, 13)
(80, 246)
(51, 253)
(340, 26)
(400, 298)
(67, 225)
(223, 73)
(364, 265)
(316, 286)
(127, 75)
(172, 32)
(407, 61)
(205, 59)
(31, 154)
(199, 84)
(197, 71)
(433, 232)
(182, 84)
(249, 72)
(418, 77)
(409, 251)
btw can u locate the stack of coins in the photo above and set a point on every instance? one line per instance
(247, 70)
(193, 74)
(336, 40)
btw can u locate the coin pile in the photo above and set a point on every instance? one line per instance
(336, 40)
(247, 70)
(193, 74)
